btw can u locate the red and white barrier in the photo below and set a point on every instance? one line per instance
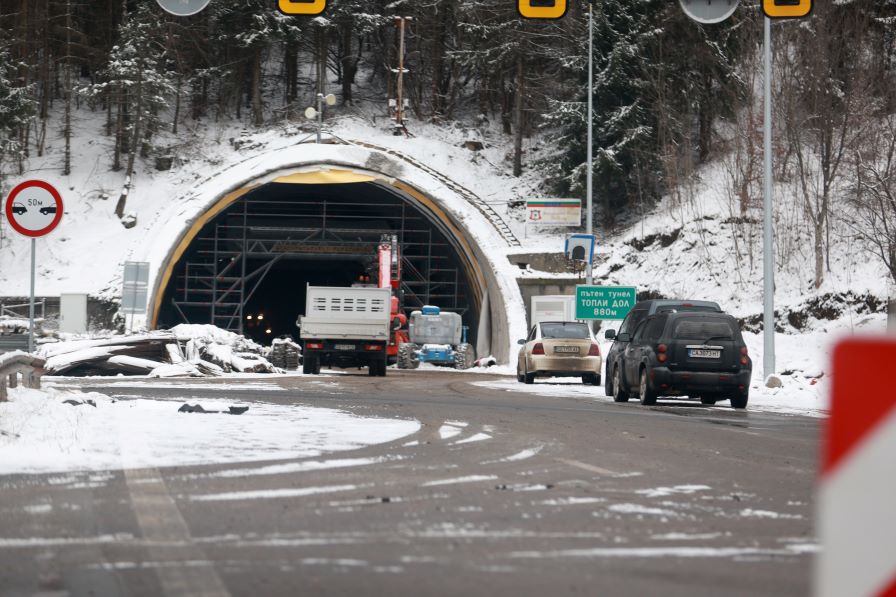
(857, 502)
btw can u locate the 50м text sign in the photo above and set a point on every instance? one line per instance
(604, 302)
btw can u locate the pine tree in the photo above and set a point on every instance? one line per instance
(17, 107)
(137, 79)
(656, 73)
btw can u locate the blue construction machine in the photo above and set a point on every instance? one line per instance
(436, 337)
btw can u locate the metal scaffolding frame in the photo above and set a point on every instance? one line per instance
(232, 255)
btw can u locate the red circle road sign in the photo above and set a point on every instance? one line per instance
(34, 208)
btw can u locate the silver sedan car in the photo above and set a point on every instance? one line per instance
(559, 349)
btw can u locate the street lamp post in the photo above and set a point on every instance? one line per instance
(768, 277)
(312, 114)
(589, 200)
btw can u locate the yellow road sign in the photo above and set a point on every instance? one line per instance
(302, 7)
(542, 9)
(786, 9)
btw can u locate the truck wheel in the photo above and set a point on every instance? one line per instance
(310, 365)
(406, 357)
(464, 356)
(377, 368)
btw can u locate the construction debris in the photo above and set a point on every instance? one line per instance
(285, 353)
(184, 351)
(197, 408)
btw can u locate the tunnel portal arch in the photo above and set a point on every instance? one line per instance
(254, 257)
(473, 242)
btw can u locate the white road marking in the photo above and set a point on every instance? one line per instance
(469, 479)
(160, 520)
(587, 467)
(270, 493)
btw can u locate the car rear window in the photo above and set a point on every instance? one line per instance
(703, 329)
(565, 330)
(676, 308)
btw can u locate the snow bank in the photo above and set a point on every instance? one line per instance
(39, 433)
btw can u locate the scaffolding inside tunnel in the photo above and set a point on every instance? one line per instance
(280, 236)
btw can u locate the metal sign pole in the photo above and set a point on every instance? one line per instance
(133, 302)
(768, 278)
(31, 304)
(320, 114)
(589, 279)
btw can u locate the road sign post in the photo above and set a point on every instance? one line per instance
(786, 9)
(541, 9)
(554, 212)
(33, 209)
(301, 7)
(183, 8)
(580, 247)
(135, 289)
(604, 302)
(709, 12)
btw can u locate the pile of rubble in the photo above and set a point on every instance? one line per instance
(183, 351)
(285, 354)
(14, 325)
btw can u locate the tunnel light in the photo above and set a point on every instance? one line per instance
(267, 331)
(248, 317)
(260, 316)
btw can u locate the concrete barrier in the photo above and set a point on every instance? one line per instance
(13, 364)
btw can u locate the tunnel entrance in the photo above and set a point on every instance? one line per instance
(257, 255)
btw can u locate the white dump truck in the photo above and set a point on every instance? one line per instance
(345, 327)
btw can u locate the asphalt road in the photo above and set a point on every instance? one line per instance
(550, 496)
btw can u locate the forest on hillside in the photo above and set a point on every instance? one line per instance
(669, 94)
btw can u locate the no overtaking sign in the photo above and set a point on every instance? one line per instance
(34, 208)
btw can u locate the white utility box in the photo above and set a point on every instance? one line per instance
(73, 313)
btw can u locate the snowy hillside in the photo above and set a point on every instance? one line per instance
(694, 246)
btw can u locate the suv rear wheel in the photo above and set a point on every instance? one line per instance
(620, 394)
(645, 390)
(740, 400)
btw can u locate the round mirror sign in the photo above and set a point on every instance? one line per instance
(34, 208)
(709, 11)
(183, 8)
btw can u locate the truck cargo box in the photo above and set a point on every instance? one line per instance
(345, 312)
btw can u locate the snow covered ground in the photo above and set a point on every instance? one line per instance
(694, 245)
(39, 433)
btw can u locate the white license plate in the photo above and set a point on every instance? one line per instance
(344, 346)
(697, 353)
(568, 349)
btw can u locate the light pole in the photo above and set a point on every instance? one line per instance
(589, 200)
(768, 277)
(311, 113)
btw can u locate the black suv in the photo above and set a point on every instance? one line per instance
(685, 353)
(639, 313)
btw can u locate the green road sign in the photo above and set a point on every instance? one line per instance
(604, 302)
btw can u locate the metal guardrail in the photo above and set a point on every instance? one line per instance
(30, 367)
(13, 342)
(10, 310)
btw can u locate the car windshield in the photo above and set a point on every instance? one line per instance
(577, 331)
(703, 329)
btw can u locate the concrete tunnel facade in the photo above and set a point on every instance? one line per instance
(339, 171)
